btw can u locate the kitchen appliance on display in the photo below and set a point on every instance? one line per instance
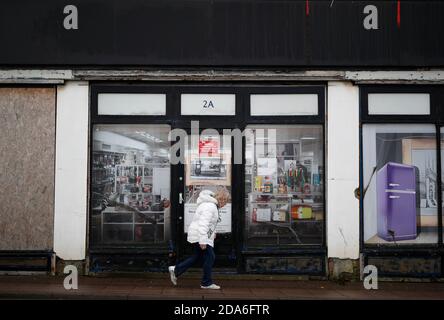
(396, 202)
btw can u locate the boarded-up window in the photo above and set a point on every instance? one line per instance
(27, 125)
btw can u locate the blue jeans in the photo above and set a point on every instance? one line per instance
(199, 255)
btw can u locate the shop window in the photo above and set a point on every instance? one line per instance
(131, 104)
(400, 184)
(130, 182)
(399, 104)
(284, 104)
(284, 185)
(208, 104)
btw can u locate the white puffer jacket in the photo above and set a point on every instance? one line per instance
(203, 225)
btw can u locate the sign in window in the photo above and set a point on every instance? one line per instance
(208, 104)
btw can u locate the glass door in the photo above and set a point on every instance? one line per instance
(207, 166)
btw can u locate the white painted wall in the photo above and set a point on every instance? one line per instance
(71, 171)
(342, 170)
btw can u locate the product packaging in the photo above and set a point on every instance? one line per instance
(301, 211)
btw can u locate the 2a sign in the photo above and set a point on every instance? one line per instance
(208, 104)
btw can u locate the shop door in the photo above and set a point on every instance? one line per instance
(207, 165)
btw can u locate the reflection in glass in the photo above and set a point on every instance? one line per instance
(130, 183)
(400, 184)
(284, 185)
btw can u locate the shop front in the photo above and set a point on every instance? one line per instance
(155, 147)
(401, 189)
(322, 119)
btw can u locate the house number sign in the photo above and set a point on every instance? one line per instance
(208, 104)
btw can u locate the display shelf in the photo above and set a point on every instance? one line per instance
(103, 174)
(125, 208)
(280, 216)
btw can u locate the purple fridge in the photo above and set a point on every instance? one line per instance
(396, 202)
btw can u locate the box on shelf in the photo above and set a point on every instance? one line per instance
(280, 216)
(258, 183)
(263, 214)
(301, 211)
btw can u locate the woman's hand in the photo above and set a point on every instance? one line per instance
(203, 246)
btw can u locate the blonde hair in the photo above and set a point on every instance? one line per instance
(222, 193)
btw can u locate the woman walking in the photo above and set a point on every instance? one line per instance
(201, 234)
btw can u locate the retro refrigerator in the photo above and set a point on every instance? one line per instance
(396, 202)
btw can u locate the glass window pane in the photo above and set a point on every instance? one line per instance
(131, 104)
(284, 104)
(284, 185)
(130, 183)
(208, 104)
(399, 103)
(400, 176)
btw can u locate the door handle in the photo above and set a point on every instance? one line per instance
(180, 198)
(394, 197)
(394, 184)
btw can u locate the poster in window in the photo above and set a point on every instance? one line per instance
(421, 153)
(267, 167)
(209, 147)
(401, 179)
(205, 171)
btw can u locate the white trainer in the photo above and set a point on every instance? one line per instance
(211, 286)
(172, 275)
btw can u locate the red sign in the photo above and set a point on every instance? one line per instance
(209, 147)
